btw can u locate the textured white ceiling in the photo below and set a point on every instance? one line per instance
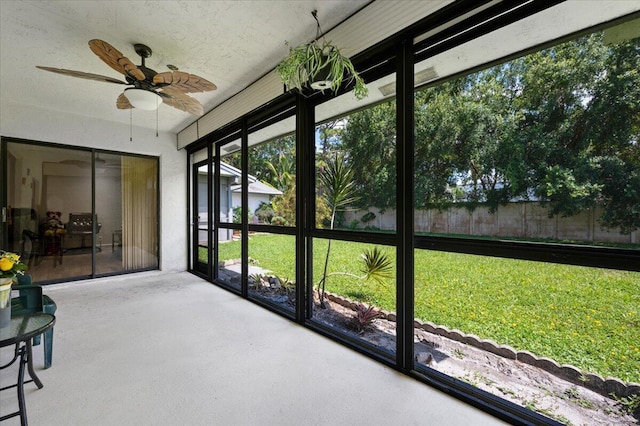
(230, 43)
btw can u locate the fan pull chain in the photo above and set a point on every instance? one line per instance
(130, 124)
(157, 107)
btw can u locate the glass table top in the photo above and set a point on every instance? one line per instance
(23, 327)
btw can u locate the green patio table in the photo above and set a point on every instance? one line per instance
(19, 333)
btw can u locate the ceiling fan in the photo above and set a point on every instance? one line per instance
(149, 88)
(86, 164)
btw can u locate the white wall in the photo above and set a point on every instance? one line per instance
(254, 200)
(52, 126)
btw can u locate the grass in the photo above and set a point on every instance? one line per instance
(587, 317)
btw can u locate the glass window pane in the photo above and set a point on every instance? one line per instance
(139, 225)
(49, 187)
(52, 224)
(272, 268)
(474, 314)
(230, 190)
(356, 169)
(200, 210)
(229, 268)
(354, 290)
(109, 212)
(543, 147)
(272, 174)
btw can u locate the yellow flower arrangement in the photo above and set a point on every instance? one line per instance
(10, 265)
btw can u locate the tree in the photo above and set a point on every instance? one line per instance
(580, 124)
(282, 172)
(270, 155)
(369, 138)
(329, 135)
(560, 126)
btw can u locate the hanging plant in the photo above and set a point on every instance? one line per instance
(319, 65)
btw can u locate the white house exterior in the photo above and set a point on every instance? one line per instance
(231, 195)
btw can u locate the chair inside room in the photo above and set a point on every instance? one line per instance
(81, 224)
(31, 249)
(31, 299)
(22, 233)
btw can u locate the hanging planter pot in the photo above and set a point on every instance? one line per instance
(319, 66)
(322, 80)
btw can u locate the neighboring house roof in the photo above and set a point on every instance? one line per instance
(255, 185)
(258, 187)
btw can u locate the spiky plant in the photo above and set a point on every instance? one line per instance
(338, 191)
(364, 317)
(376, 265)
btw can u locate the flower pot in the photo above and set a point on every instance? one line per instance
(5, 301)
(321, 80)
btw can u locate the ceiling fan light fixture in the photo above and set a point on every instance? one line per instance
(143, 99)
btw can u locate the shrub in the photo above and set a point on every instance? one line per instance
(265, 212)
(353, 224)
(237, 215)
(278, 220)
(364, 317)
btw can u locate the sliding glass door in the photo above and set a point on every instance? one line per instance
(74, 213)
(200, 176)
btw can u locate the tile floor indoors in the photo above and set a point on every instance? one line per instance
(159, 348)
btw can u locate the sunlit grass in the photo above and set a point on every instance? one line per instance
(587, 317)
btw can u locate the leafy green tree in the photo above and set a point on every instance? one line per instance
(560, 126)
(581, 117)
(282, 171)
(437, 151)
(329, 136)
(369, 139)
(278, 154)
(284, 205)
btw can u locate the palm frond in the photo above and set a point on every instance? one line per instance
(338, 183)
(376, 265)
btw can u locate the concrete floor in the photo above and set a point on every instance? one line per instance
(171, 349)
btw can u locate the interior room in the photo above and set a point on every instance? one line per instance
(454, 223)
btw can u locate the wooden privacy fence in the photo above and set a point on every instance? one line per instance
(514, 220)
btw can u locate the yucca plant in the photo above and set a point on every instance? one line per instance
(376, 265)
(338, 191)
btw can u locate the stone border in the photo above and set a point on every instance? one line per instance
(567, 372)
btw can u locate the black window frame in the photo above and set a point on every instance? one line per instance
(398, 54)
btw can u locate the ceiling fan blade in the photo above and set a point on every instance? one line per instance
(80, 74)
(115, 59)
(78, 163)
(185, 82)
(179, 100)
(122, 102)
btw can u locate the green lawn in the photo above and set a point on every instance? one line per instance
(587, 317)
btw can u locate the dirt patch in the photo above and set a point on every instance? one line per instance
(512, 380)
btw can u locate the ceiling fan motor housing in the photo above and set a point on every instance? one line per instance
(143, 50)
